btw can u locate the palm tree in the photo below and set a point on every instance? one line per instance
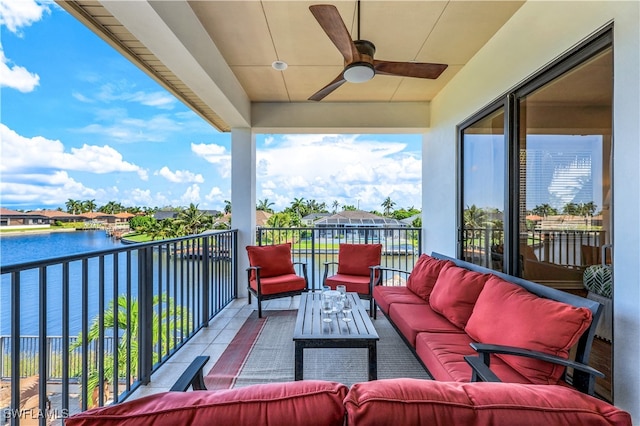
(387, 204)
(193, 220)
(544, 210)
(298, 207)
(88, 206)
(163, 339)
(474, 217)
(73, 206)
(335, 206)
(265, 205)
(227, 206)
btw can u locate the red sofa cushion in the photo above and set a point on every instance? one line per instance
(305, 402)
(443, 355)
(356, 283)
(507, 314)
(355, 259)
(279, 284)
(387, 295)
(424, 275)
(414, 402)
(455, 292)
(273, 260)
(411, 319)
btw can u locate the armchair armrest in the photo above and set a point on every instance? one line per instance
(485, 350)
(385, 270)
(304, 271)
(192, 376)
(326, 270)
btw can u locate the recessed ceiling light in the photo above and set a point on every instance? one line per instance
(279, 65)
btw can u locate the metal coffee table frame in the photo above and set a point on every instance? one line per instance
(311, 332)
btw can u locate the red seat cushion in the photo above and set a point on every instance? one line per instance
(411, 319)
(307, 402)
(387, 295)
(273, 260)
(424, 275)
(355, 259)
(356, 283)
(455, 292)
(507, 314)
(443, 355)
(416, 402)
(279, 284)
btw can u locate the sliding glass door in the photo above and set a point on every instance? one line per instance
(535, 183)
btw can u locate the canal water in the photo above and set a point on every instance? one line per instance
(22, 248)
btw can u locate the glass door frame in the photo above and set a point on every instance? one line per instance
(509, 102)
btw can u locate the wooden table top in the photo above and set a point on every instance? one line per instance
(309, 324)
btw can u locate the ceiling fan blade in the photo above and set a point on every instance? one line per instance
(320, 94)
(409, 69)
(331, 22)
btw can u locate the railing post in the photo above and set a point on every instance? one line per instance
(235, 263)
(207, 257)
(145, 314)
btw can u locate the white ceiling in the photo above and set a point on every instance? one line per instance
(246, 36)
(253, 34)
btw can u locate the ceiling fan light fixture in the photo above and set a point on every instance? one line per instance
(359, 72)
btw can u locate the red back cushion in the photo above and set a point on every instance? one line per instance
(507, 314)
(455, 292)
(273, 260)
(417, 402)
(308, 402)
(355, 259)
(424, 275)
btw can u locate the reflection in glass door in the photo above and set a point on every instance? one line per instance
(482, 203)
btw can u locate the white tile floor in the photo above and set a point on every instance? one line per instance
(211, 341)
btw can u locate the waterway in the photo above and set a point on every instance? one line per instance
(22, 248)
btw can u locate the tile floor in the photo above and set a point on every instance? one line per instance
(211, 341)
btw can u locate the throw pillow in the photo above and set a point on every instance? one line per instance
(273, 260)
(424, 275)
(455, 292)
(355, 259)
(507, 314)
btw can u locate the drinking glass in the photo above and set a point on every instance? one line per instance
(339, 303)
(346, 309)
(327, 307)
(342, 289)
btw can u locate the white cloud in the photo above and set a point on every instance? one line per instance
(126, 129)
(179, 176)
(39, 156)
(214, 195)
(214, 154)
(15, 76)
(15, 14)
(347, 168)
(191, 195)
(50, 190)
(123, 91)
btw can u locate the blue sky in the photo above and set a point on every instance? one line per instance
(79, 121)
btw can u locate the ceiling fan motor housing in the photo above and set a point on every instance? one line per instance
(362, 69)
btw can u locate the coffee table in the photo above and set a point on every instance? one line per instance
(311, 332)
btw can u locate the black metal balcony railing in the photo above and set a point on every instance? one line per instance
(92, 328)
(118, 314)
(401, 247)
(559, 247)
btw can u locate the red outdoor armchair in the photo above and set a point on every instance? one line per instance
(356, 269)
(271, 273)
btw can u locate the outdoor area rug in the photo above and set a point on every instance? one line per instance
(263, 351)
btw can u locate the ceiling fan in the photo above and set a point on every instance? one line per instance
(359, 65)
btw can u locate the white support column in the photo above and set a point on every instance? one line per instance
(243, 197)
